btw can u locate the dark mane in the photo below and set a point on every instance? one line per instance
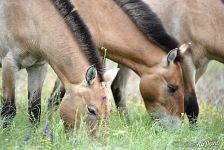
(149, 23)
(222, 1)
(80, 32)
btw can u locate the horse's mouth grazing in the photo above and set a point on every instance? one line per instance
(166, 121)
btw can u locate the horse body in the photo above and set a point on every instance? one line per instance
(7, 37)
(126, 44)
(33, 33)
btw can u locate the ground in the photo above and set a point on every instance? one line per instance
(140, 132)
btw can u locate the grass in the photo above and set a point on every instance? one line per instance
(140, 132)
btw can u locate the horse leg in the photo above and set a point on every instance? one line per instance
(56, 95)
(36, 76)
(118, 88)
(8, 111)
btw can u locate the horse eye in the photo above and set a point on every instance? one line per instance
(91, 110)
(172, 88)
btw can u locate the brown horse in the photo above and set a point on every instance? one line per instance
(135, 37)
(35, 32)
(199, 22)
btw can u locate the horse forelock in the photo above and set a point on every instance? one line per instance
(149, 23)
(80, 32)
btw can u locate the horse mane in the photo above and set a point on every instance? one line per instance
(81, 32)
(222, 1)
(149, 23)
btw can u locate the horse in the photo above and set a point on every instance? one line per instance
(134, 37)
(198, 22)
(36, 32)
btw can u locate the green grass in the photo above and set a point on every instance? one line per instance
(139, 133)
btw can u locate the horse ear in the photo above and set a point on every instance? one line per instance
(91, 74)
(171, 56)
(110, 74)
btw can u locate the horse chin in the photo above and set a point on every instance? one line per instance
(170, 122)
(167, 121)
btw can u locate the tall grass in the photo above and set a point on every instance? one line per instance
(139, 132)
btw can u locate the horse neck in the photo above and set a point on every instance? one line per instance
(55, 41)
(66, 58)
(112, 29)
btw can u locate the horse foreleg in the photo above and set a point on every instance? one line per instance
(118, 88)
(36, 76)
(56, 95)
(8, 76)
